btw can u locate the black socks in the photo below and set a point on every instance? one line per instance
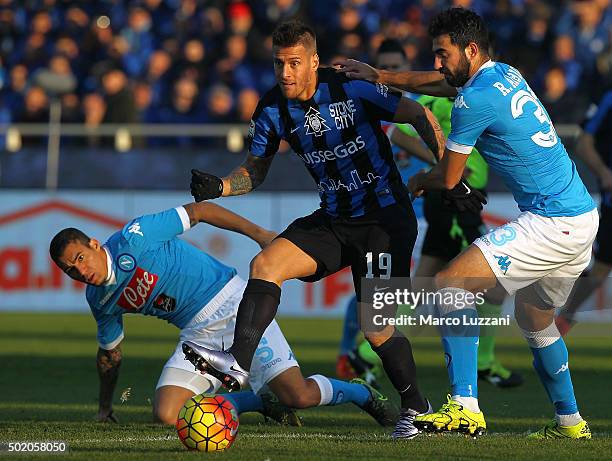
(256, 311)
(398, 362)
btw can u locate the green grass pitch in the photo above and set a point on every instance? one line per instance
(48, 392)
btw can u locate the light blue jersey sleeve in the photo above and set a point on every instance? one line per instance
(472, 114)
(110, 325)
(110, 329)
(156, 228)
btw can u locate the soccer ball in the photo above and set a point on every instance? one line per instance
(207, 422)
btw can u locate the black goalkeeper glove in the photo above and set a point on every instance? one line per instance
(464, 198)
(205, 186)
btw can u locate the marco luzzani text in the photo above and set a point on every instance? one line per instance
(461, 300)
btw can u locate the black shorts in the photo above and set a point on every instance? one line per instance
(448, 231)
(603, 247)
(377, 244)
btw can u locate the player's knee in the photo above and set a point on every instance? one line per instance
(262, 267)
(442, 279)
(165, 414)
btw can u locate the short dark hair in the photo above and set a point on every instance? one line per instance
(463, 26)
(63, 238)
(390, 45)
(292, 33)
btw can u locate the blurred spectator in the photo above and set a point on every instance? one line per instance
(234, 70)
(157, 75)
(183, 108)
(36, 110)
(529, 46)
(41, 23)
(391, 56)
(71, 109)
(15, 93)
(246, 104)
(219, 104)
(94, 109)
(564, 56)
(352, 33)
(76, 22)
(34, 53)
(143, 99)
(587, 22)
(193, 63)
(139, 40)
(562, 105)
(271, 12)
(36, 107)
(120, 107)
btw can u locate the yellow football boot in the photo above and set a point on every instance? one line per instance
(554, 430)
(453, 417)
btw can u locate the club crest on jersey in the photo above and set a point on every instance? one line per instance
(138, 290)
(126, 262)
(315, 124)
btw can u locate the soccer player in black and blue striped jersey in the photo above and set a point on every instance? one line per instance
(365, 220)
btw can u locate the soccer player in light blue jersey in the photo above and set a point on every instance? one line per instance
(539, 255)
(146, 269)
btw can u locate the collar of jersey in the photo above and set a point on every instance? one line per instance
(486, 65)
(111, 279)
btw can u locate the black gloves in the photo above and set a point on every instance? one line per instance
(205, 186)
(464, 198)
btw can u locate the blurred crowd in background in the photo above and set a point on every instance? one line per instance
(208, 61)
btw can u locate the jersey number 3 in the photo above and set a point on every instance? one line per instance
(519, 100)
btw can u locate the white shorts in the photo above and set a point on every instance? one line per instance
(272, 357)
(551, 252)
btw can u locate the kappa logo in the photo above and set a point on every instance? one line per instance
(315, 124)
(563, 368)
(126, 262)
(503, 262)
(460, 103)
(135, 229)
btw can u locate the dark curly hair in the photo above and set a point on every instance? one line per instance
(463, 26)
(294, 33)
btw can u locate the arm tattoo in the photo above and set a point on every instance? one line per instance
(108, 363)
(249, 175)
(108, 360)
(430, 131)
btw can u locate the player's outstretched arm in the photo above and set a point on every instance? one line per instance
(432, 83)
(223, 218)
(242, 180)
(108, 363)
(424, 122)
(412, 146)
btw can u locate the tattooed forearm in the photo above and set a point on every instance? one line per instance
(430, 131)
(107, 360)
(108, 364)
(240, 182)
(249, 175)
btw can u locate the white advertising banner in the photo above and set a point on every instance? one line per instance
(28, 220)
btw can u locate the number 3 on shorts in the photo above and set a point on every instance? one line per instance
(384, 265)
(508, 235)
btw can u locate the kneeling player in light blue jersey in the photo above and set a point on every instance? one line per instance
(540, 254)
(146, 269)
